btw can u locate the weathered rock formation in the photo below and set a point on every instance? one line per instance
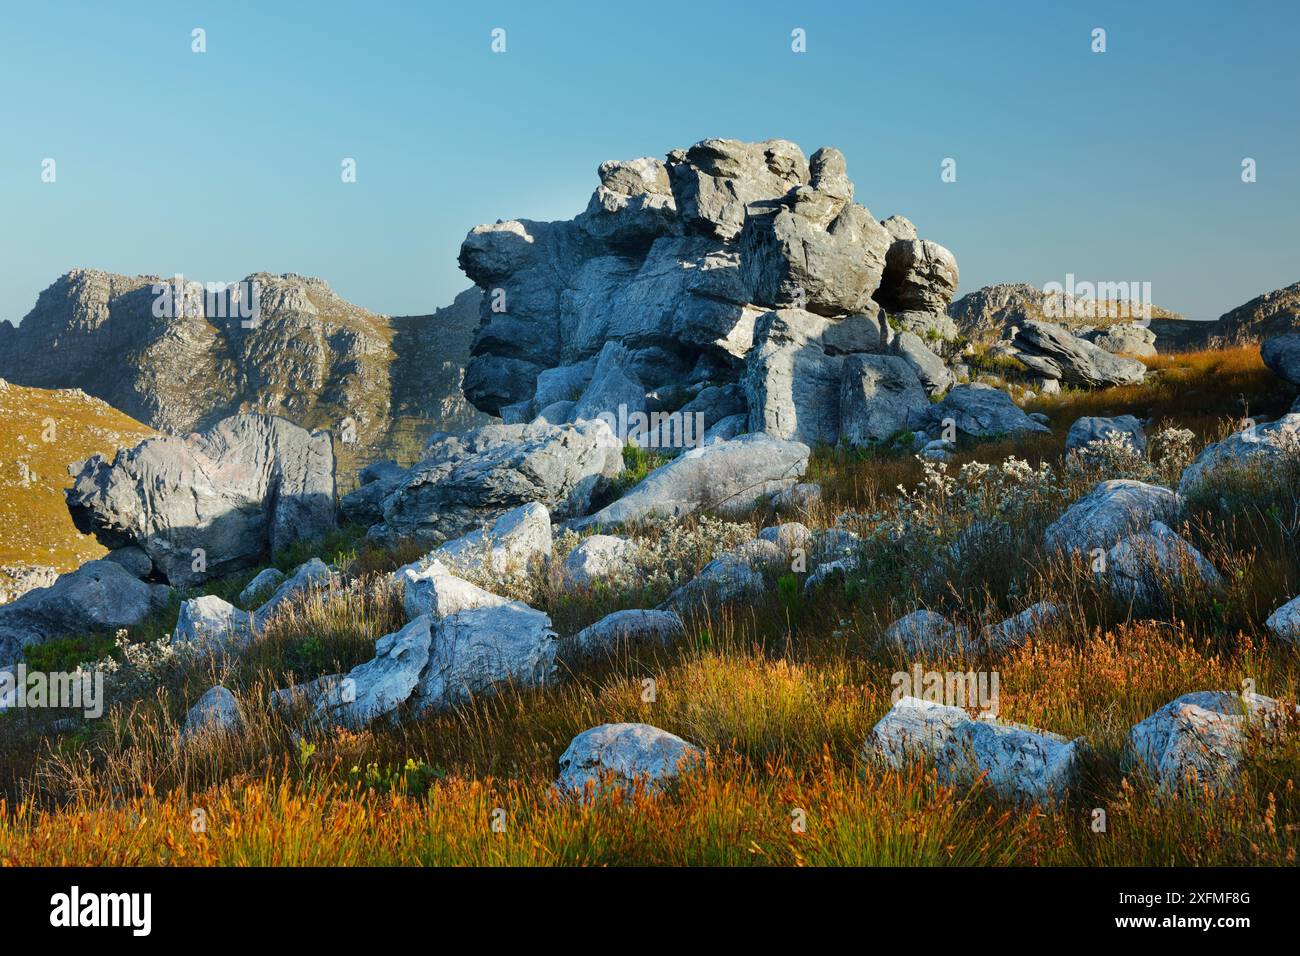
(730, 261)
(211, 503)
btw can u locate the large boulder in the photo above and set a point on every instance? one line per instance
(518, 541)
(1054, 352)
(936, 378)
(1112, 510)
(98, 598)
(468, 480)
(1199, 739)
(880, 395)
(656, 290)
(725, 476)
(1014, 631)
(924, 633)
(209, 625)
(1124, 338)
(1258, 450)
(814, 248)
(731, 576)
(211, 503)
(214, 714)
(1282, 355)
(1017, 762)
(624, 756)
(476, 649)
(920, 276)
(436, 592)
(601, 559)
(794, 375)
(982, 411)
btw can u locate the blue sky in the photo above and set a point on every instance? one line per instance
(1118, 166)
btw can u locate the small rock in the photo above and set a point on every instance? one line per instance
(262, 586)
(925, 633)
(601, 558)
(215, 713)
(623, 755)
(632, 628)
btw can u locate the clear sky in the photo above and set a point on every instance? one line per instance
(1115, 166)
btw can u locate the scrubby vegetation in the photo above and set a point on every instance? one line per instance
(780, 692)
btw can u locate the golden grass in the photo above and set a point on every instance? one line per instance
(781, 694)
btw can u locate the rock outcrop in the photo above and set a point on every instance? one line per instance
(1052, 352)
(214, 502)
(1258, 451)
(1273, 313)
(679, 270)
(1111, 511)
(468, 480)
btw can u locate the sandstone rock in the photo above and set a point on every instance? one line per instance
(728, 577)
(365, 504)
(215, 713)
(98, 597)
(1282, 355)
(611, 389)
(624, 756)
(799, 498)
(1273, 313)
(1125, 338)
(209, 625)
(1199, 738)
(634, 628)
(1284, 623)
(725, 476)
(133, 559)
(476, 649)
(518, 541)
(313, 573)
(601, 559)
(936, 378)
(920, 276)
(1052, 351)
(1142, 567)
(263, 585)
(1090, 429)
(1015, 761)
(982, 411)
(468, 480)
(248, 486)
(880, 395)
(792, 384)
(382, 684)
(1263, 449)
(924, 633)
(1015, 630)
(716, 180)
(436, 592)
(789, 536)
(1112, 510)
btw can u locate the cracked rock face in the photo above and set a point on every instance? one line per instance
(660, 286)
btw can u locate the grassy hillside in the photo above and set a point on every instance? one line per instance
(45, 431)
(781, 692)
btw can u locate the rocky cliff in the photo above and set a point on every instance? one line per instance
(1273, 313)
(182, 361)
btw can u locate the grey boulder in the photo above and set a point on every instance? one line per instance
(726, 476)
(1260, 450)
(98, 597)
(214, 714)
(628, 629)
(248, 486)
(1112, 510)
(209, 625)
(880, 395)
(1054, 352)
(382, 684)
(601, 559)
(1017, 762)
(1282, 354)
(624, 756)
(982, 411)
